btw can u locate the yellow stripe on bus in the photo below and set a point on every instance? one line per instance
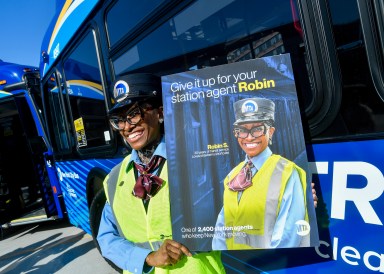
(58, 22)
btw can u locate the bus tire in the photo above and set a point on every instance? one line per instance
(95, 211)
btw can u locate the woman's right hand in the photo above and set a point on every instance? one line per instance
(169, 253)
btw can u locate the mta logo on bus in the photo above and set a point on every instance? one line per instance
(249, 107)
(120, 90)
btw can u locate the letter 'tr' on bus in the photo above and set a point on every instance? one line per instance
(361, 197)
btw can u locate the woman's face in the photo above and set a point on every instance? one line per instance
(145, 132)
(254, 146)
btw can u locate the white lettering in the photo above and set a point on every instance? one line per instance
(349, 252)
(318, 167)
(335, 246)
(71, 191)
(361, 196)
(380, 268)
(56, 51)
(345, 255)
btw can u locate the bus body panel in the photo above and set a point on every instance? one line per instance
(73, 176)
(67, 21)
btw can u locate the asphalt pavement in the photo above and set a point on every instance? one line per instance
(50, 247)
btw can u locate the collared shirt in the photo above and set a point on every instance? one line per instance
(120, 251)
(292, 209)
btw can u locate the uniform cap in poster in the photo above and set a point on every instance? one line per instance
(254, 110)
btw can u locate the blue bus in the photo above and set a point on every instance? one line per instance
(337, 52)
(29, 189)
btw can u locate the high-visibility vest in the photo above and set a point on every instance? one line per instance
(253, 218)
(149, 229)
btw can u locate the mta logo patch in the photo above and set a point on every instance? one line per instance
(249, 107)
(303, 228)
(120, 90)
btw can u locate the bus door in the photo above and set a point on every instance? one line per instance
(25, 190)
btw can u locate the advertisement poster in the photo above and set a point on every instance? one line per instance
(237, 164)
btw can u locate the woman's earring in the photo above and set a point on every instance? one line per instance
(161, 120)
(270, 141)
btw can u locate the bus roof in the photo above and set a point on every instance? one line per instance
(11, 73)
(70, 14)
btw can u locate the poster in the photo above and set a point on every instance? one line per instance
(218, 118)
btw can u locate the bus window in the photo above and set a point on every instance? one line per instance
(230, 31)
(214, 28)
(55, 116)
(125, 15)
(362, 109)
(219, 32)
(86, 96)
(271, 44)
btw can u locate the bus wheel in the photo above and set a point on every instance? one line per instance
(95, 211)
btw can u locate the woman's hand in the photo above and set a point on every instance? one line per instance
(169, 253)
(315, 199)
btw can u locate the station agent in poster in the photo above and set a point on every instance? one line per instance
(264, 194)
(202, 149)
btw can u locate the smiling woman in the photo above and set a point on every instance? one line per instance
(253, 138)
(139, 187)
(146, 131)
(138, 111)
(277, 184)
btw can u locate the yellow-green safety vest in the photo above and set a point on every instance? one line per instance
(149, 229)
(253, 218)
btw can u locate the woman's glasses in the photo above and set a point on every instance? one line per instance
(257, 131)
(133, 117)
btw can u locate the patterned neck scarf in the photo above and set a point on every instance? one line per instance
(147, 184)
(243, 180)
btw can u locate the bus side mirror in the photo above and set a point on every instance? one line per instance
(37, 145)
(45, 57)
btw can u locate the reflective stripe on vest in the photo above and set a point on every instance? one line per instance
(110, 188)
(149, 229)
(254, 217)
(152, 227)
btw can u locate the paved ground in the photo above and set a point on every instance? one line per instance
(50, 247)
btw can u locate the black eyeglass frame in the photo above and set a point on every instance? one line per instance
(238, 129)
(137, 112)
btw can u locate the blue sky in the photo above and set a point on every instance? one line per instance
(22, 27)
